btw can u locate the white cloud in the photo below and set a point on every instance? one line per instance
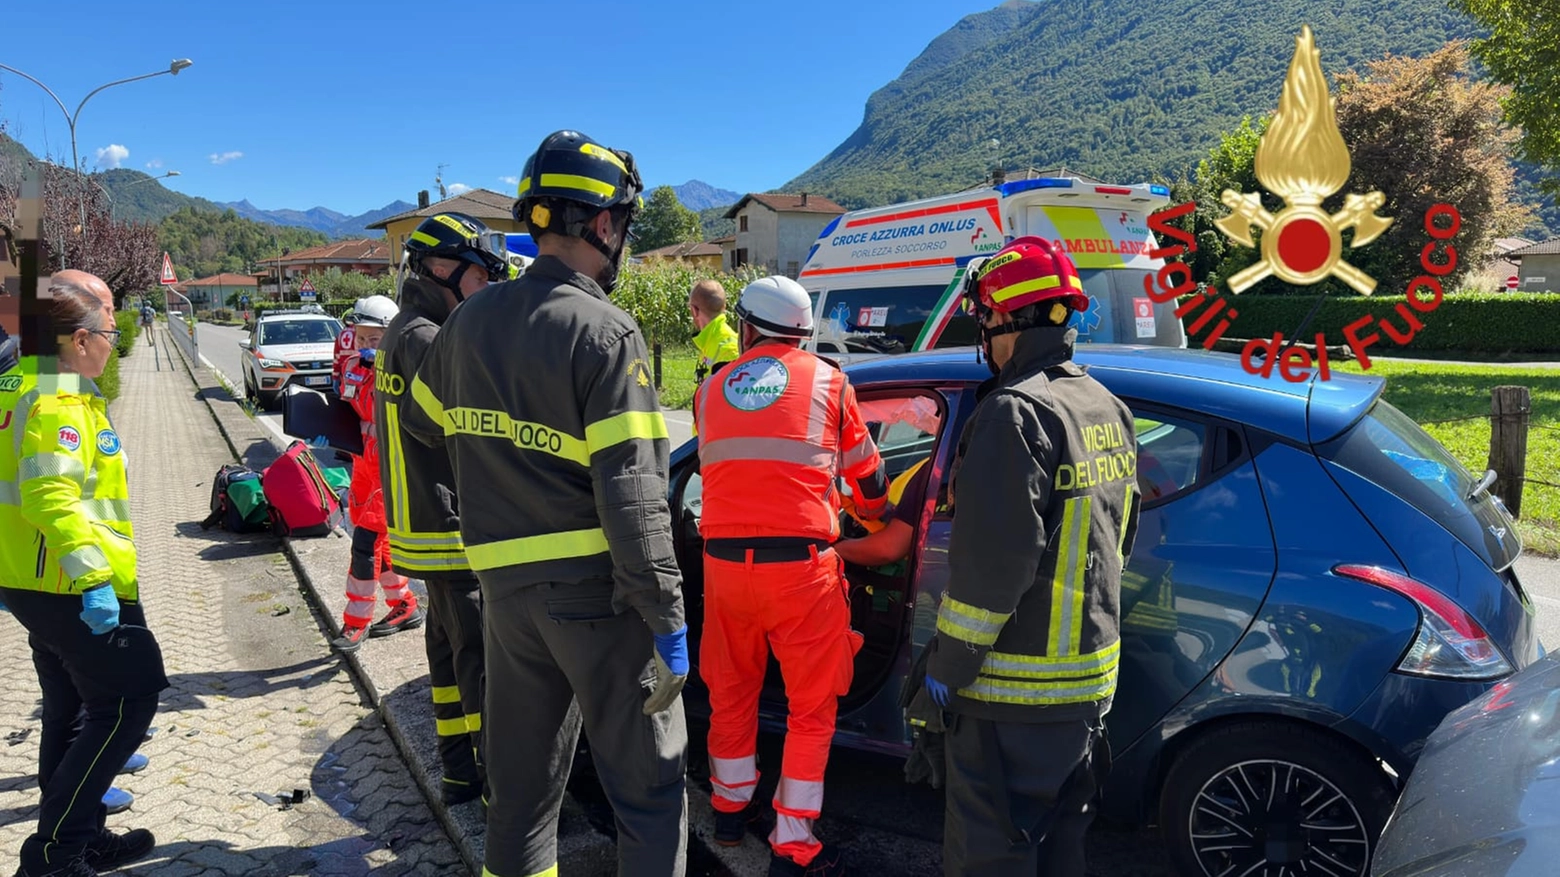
(458, 189)
(112, 156)
(513, 181)
(225, 157)
(154, 164)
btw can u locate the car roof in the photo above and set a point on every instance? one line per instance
(1215, 384)
(291, 315)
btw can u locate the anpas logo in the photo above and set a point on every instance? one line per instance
(757, 384)
(983, 242)
(69, 438)
(1302, 159)
(108, 442)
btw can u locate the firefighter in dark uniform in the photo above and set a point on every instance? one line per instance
(1027, 646)
(540, 390)
(448, 257)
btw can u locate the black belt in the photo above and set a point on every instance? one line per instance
(736, 550)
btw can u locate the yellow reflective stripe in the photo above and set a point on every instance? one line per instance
(396, 499)
(619, 428)
(10, 493)
(428, 564)
(603, 154)
(490, 423)
(969, 623)
(474, 722)
(417, 539)
(446, 694)
(450, 727)
(536, 549)
(1025, 287)
(113, 510)
(84, 560)
(425, 238)
(425, 399)
(50, 466)
(1126, 514)
(1025, 693)
(1072, 547)
(575, 181)
(1052, 666)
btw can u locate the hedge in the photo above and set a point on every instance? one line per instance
(1482, 323)
(335, 308)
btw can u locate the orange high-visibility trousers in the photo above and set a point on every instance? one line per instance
(800, 610)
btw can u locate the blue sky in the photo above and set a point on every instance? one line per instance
(351, 105)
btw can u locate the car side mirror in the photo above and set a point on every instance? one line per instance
(244, 343)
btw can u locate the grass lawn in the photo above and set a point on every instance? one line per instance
(1429, 392)
(677, 366)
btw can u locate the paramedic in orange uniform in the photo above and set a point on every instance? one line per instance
(776, 427)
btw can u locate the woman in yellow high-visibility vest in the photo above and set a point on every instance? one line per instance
(68, 570)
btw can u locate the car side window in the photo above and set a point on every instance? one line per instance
(909, 423)
(1170, 453)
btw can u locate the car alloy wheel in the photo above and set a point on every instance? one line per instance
(1276, 817)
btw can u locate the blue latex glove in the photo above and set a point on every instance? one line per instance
(938, 691)
(4, 607)
(319, 441)
(671, 670)
(100, 609)
(367, 356)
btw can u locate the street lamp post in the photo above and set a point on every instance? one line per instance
(110, 195)
(70, 119)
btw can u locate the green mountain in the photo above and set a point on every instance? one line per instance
(1119, 90)
(136, 199)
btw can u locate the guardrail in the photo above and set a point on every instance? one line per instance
(182, 328)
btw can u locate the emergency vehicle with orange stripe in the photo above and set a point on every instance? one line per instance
(886, 280)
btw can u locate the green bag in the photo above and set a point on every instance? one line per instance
(248, 498)
(338, 477)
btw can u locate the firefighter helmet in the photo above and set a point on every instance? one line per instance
(571, 169)
(1027, 271)
(460, 237)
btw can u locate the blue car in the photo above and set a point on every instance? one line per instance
(1316, 583)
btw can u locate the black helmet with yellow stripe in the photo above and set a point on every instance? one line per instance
(456, 236)
(569, 180)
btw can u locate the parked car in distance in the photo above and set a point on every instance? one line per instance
(1484, 800)
(1315, 583)
(287, 347)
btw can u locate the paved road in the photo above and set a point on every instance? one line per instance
(257, 703)
(219, 345)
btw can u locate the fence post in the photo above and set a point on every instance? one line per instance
(1509, 410)
(655, 353)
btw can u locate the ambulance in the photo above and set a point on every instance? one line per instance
(887, 280)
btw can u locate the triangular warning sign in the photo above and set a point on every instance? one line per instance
(307, 286)
(168, 278)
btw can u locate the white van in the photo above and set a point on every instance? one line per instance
(887, 280)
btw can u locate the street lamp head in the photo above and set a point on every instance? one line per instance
(178, 65)
(171, 174)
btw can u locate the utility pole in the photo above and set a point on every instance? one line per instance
(438, 180)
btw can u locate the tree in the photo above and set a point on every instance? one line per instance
(1520, 53)
(1420, 130)
(665, 221)
(337, 285)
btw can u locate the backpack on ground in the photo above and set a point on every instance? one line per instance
(237, 501)
(302, 500)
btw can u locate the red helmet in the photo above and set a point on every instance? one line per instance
(1026, 271)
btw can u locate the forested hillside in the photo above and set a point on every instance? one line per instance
(203, 243)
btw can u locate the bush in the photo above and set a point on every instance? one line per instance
(656, 296)
(222, 315)
(129, 325)
(108, 383)
(1483, 323)
(335, 308)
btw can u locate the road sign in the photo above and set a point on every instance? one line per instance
(168, 278)
(1512, 282)
(306, 291)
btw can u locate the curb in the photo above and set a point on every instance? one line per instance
(238, 428)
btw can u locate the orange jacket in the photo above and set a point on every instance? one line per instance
(775, 428)
(365, 499)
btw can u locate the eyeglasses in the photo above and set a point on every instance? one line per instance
(111, 334)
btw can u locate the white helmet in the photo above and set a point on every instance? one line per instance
(376, 310)
(777, 307)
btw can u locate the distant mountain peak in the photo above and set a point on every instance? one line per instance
(698, 195)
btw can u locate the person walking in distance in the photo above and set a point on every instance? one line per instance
(370, 569)
(777, 427)
(1028, 645)
(68, 570)
(539, 389)
(447, 260)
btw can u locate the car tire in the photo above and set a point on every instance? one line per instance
(1274, 792)
(267, 402)
(250, 393)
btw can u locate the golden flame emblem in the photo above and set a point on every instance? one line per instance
(1302, 158)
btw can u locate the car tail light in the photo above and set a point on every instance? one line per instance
(1450, 643)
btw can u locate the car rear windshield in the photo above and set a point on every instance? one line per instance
(1387, 448)
(297, 332)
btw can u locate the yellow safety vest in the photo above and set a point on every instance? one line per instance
(64, 491)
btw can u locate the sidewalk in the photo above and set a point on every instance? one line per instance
(258, 704)
(394, 671)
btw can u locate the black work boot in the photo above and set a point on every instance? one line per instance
(111, 850)
(731, 828)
